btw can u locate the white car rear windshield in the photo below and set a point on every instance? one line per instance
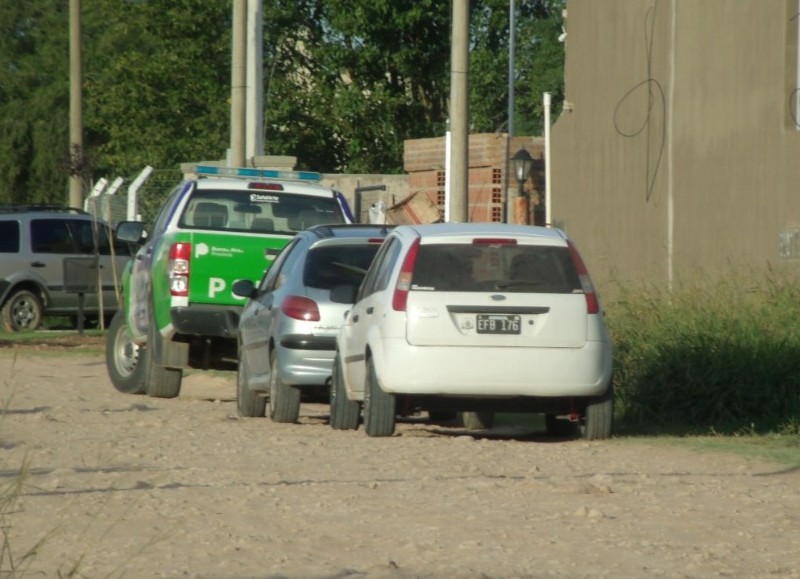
(503, 267)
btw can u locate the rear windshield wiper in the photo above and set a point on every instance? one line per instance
(515, 282)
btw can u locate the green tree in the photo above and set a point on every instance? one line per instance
(538, 59)
(346, 82)
(157, 83)
(34, 101)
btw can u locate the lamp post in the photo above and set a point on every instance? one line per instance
(522, 162)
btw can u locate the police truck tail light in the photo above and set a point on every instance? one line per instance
(301, 308)
(178, 267)
(592, 304)
(400, 297)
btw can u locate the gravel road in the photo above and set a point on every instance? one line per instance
(129, 486)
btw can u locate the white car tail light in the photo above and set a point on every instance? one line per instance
(179, 269)
(592, 304)
(400, 297)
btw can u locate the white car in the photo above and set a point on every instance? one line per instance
(474, 318)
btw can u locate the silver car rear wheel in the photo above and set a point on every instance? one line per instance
(284, 400)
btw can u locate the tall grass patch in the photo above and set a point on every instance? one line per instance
(721, 358)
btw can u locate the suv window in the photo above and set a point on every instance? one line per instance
(51, 236)
(9, 237)
(507, 267)
(257, 211)
(72, 236)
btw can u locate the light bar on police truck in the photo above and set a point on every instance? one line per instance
(253, 173)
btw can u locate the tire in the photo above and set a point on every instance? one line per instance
(160, 382)
(248, 403)
(284, 400)
(344, 412)
(477, 420)
(125, 361)
(379, 406)
(598, 421)
(23, 310)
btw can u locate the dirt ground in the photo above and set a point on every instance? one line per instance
(130, 486)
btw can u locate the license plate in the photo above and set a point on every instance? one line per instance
(498, 324)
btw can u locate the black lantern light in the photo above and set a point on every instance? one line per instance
(522, 162)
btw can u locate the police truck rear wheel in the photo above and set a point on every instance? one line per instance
(284, 400)
(124, 359)
(161, 382)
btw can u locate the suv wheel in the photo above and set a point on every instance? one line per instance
(344, 412)
(248, 403)
(599, 418)
(379, 406)
(22, 311)
(284, 400)
(125, 360)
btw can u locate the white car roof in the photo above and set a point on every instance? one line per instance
(460, 232)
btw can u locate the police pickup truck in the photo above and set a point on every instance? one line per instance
(179, 310)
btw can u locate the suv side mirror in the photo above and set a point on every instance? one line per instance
(130, 231)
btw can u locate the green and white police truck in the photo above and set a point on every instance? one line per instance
(179, 311)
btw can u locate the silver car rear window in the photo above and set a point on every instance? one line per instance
(501, 267)
(328, 267)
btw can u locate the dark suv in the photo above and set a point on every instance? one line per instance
(37, 243)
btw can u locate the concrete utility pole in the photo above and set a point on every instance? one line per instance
(254, 107)
(459, 112)
(75, 104)
(238, 78)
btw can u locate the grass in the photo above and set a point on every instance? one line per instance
(711, 360)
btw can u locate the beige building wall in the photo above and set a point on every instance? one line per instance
(678, 156)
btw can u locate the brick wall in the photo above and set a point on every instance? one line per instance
(424, 161)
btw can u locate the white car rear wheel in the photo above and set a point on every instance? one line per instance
(379, 406)
(598, 421)
(344, 412)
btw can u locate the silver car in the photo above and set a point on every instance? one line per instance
(288, 328)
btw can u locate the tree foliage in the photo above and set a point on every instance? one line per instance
(346, 82)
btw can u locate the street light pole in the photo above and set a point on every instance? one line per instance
(238, 81)
(75, 106)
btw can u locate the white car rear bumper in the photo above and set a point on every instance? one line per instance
(493, 372)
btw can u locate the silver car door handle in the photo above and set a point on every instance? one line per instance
(38, 264)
